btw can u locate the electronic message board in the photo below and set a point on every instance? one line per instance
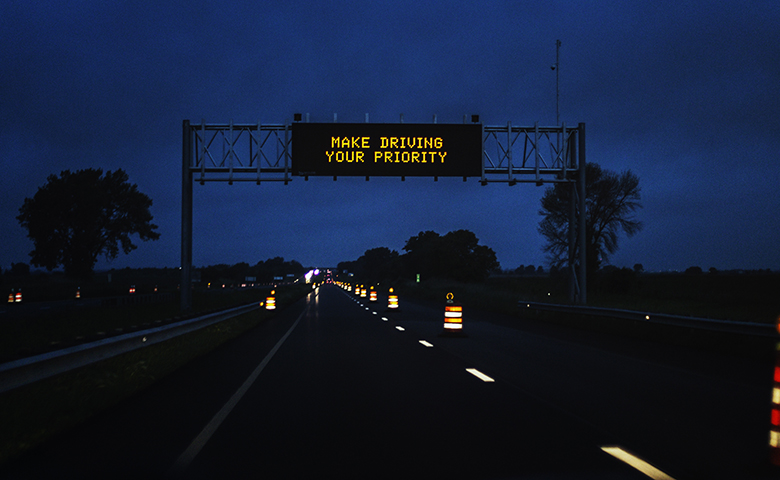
(384, 149)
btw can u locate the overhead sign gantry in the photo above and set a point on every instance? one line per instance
(228, 152)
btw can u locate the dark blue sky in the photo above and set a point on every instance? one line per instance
(684, 94)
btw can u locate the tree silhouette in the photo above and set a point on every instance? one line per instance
(422, 255)
(374, 265)
(76, 217)
(456, 255)
(610, 199)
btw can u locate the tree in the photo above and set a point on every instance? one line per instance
(695, 270)
(610, 200)
(464, 259)
(456, 255)
(76, 217)
(422, 255)
(266, 271)
(616, 280)
(374, 265)
(19, 270)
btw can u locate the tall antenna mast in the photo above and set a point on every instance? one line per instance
(557, 69)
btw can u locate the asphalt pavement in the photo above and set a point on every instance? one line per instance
(336, 386)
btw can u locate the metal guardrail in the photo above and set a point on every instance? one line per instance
(31, 369)
(729, 326)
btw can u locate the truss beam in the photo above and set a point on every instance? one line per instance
(228, 152)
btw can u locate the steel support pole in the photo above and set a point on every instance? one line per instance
(573, 227)
(583, 299)
(185, 287)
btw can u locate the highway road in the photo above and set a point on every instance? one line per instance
(336, 386)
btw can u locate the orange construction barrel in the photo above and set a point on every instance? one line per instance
(392, 300)
(453, 318)
(270, 301)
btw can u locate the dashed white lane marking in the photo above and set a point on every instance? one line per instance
(479, 375)
(637, 463)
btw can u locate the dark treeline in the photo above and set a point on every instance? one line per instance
(262, 271)
(39, 285)
(456, 255)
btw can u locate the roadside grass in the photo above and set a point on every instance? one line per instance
(737, 297)
(33, 413)
(483, 296)
(747, 297)
(31, 335)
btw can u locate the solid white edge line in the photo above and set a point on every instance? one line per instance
(197, 445)
(637, 463)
